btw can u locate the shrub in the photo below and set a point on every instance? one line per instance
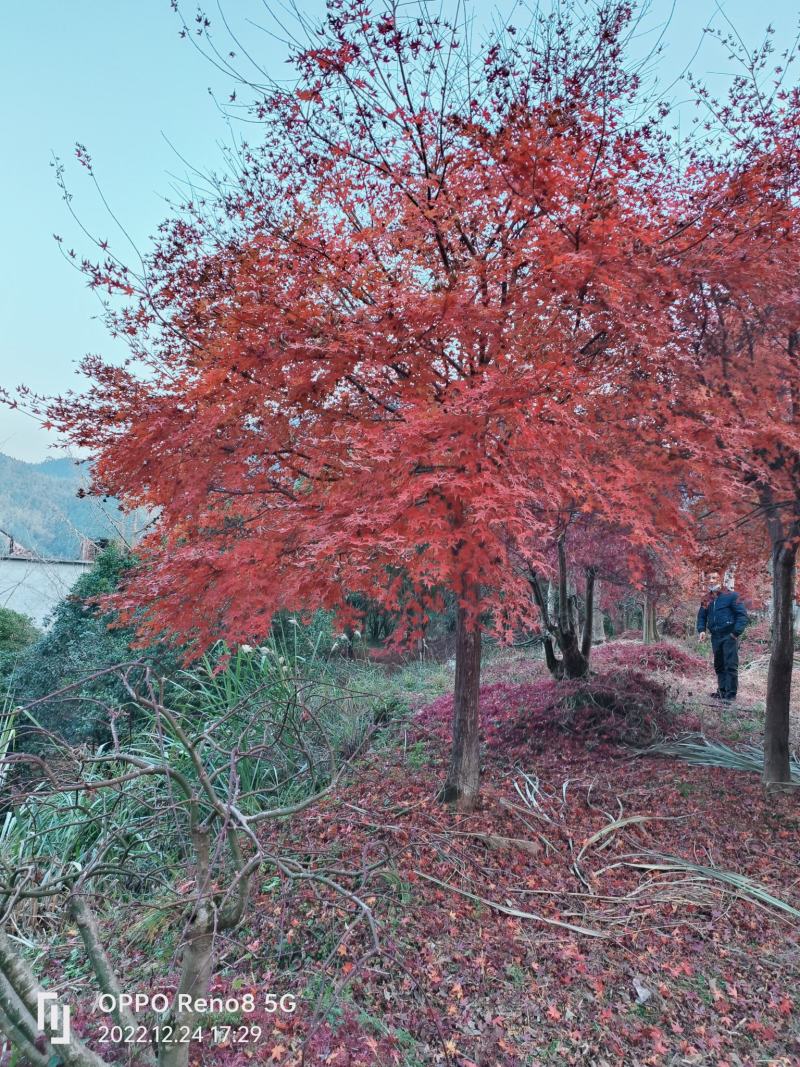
(322, 717)
(16, 631)
(79, 645)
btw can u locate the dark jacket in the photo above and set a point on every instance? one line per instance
(722, 614)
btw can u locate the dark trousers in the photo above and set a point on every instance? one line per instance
(726, 664)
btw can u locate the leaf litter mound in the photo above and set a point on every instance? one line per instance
(609, 708)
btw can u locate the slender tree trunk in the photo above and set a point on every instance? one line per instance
(547, 610)
(197, 961)
(573, 614)
(104, 973)
(19, 1026)
(588, 620)
(554, 665)
(563, 586)
(779, 677)
(463, 777)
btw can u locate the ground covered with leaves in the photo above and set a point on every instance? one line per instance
(600, 907)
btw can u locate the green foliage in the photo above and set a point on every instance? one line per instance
(417, 755)
(324, 713)
(79, 645)
(7, 734)
(57, 828)
(302, 640)
(16, 631)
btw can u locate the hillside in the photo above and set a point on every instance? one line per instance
(40, 506)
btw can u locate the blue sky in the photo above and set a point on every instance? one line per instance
(115, 76)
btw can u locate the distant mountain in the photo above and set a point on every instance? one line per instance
(59, 468)
(40, 507)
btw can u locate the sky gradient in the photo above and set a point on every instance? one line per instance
(116, 77)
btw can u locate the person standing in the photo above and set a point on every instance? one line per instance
(723, 615)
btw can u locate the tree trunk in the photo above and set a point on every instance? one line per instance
(649, 621)
(195, 980)
(463, 777)
(554, 665)
(588, 620)
(551, 600)
(573, 614)
(19, 1027)
(561, 627)
(104, 973)
(598, 627)
(576, 665)
(779, 676)
(197, 958)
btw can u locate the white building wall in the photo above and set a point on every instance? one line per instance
(34, 587)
